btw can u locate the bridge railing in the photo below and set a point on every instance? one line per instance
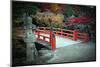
(83, 36)
(71, 34)
(60, 32)
(50, 39)
(42, 37)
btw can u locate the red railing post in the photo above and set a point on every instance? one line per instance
(61, 32)
(52, 40)
(75, 35)
(86, 38)
(38, 34)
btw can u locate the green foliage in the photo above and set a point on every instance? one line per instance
(19, 8)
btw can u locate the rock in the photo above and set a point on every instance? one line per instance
(45, 55)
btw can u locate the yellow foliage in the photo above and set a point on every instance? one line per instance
(44, 17)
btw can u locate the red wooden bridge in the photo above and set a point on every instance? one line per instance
(71, 34)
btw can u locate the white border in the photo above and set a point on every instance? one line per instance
(86, 2)
(5, 33)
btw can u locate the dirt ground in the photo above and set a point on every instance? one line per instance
(74, 53)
